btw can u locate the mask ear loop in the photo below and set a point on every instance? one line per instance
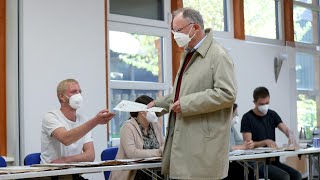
(143, 114)
(66, 97)
(196, 31)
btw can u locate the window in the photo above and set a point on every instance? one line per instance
(262, 18)
(306, 35)
(150, 9)
(308, 90)
(305, 73)
(305, 1)
(139, 55)
(214, 12)
(138, 59)
(306, 18)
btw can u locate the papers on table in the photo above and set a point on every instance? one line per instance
(100, 163)
(58, 166)
(24, 169)
(130, 106)
(259, 151)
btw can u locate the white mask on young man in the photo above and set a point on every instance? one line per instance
(182, 39)
(75, 101)
(264, 109)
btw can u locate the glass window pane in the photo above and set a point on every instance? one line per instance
(127, 94)
(149, 9)
(303, 30)
(305, 1)
(305, 73)
(212, 11)
(135, 57)
(306, 113)
(260, 18)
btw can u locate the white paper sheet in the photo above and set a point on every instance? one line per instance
(130, 106)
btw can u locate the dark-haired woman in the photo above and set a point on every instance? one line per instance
(140, 137)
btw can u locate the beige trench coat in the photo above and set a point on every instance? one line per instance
(197, 144)
(131, 146)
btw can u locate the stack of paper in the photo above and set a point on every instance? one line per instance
(24, 169)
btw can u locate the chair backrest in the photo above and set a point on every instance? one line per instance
(3, 162)
(31, 159)
(108, 154)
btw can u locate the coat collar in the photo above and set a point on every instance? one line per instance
(135, 125)
(204, 47)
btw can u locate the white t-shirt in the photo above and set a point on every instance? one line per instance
(51, 148)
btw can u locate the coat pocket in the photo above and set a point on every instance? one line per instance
(205, 125)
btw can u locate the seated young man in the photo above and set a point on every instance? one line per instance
(259, 125)
(65, 134)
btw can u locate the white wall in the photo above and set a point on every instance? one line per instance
(254, 65)
(60, 39)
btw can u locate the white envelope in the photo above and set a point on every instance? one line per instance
(130, 106)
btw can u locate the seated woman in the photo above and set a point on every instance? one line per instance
(235, 169)
(140, 137)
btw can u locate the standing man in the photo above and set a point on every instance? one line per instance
(200, 107)
(259, 125)
(65, 134)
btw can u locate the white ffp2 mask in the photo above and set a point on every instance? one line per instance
(151, 117)
(182, 39)
(75, 101)
(263, 109)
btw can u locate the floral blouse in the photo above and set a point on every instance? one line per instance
(149, 138)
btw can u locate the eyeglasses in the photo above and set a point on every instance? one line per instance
(178, 30)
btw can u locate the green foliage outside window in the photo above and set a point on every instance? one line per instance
(306, 112)
(147, 57)
(212, 12)
(260, 18)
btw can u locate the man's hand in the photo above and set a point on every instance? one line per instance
(292, 140)
(176, 107)
(104, 116)
(248, 144)
(151, 104)
(270, 143)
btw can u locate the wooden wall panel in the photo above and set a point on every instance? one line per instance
(176, 50)
(288, 21)
(238, 18)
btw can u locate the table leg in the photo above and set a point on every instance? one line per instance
(310, 167)
(318, 165)
(256, 170)
(246, 170)
(266, 171)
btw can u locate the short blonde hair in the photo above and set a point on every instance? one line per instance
(63, 85)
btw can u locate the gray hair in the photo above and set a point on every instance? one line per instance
(191, 15)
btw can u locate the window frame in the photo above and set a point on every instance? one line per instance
(143, 27)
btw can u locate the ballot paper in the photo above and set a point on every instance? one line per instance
(130, 106)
